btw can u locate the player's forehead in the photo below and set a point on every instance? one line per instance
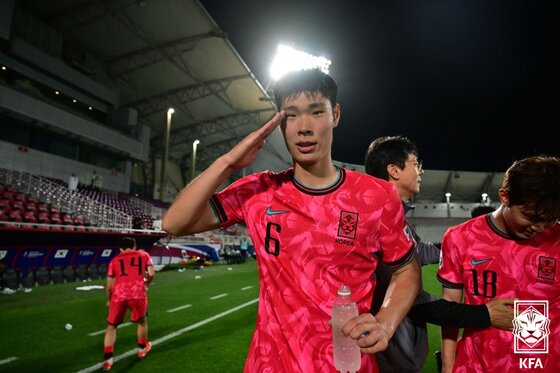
(305, 99)
(531, 213)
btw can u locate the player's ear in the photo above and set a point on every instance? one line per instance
(336, 114)
(503, 196)
(393, 171)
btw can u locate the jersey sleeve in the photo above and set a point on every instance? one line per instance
(228, 204)
(398, 248)
(450, 273)
(110, 269)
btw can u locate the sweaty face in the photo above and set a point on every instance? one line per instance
(308, 127)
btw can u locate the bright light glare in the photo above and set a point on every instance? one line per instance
(289, 59)
(170, 111)
(196, 142)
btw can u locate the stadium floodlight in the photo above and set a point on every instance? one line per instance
(163, 179)
(193, 165)
(289, 59)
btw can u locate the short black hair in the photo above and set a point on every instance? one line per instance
(387, 150)
(127, 243)
(534, 182)
(310, 82)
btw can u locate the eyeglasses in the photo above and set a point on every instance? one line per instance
(416, 164)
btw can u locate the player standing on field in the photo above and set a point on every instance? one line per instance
(128, 276)
(512, 252)
(314, 227)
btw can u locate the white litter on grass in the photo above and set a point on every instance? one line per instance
(167, 337)
(90, 287)
(68, 326)
(197, 277)
(230, 269)
(6, 361)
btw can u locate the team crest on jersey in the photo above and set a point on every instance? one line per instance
(547, 268)
(531, 326)
(347, 224)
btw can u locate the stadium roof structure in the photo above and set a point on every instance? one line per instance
(170, 53)
(158, 54)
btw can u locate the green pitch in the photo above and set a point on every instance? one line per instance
(199, 321)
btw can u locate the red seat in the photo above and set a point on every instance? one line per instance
(42, 207)
(55, 218)
(29, 216)
(15, 215)
(31, 206)
(43, 218)
(20, 197)
(31, 198)
(17, 205)
(53, 209)
(8, 194)
(67, 219)
(5, 204)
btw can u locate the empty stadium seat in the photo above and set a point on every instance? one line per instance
(55, 218)
(30, 206)
(17, 205)
(10, 278)
(43, 218)
(67, 219)
(15, 215)
(69, 274)
(29, 217)
(42, 276)
(6, 204)
(57, 275)
(82, 272)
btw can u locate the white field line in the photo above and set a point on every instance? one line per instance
(172, 335)
(219, 296)
(246, 288)
(179, 308)
(6, 361)
(103, 331)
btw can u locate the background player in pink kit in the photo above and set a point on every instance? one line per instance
(511, 252)
(314, 227)
(126, 290)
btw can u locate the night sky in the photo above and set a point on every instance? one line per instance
(465, 80)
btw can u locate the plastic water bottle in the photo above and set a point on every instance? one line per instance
(347, 357)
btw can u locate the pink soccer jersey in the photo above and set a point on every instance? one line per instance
(129, 268)
(308, 242)
(488, 264)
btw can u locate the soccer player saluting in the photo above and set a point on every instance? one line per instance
(128, 276)
(511, 252)
(314, 226)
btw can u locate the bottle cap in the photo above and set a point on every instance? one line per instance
(344, 290)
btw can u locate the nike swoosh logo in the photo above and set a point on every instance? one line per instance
(477, 262)
(270, 211)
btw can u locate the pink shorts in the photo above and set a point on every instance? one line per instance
(117, 310)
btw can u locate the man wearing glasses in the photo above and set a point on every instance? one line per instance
(395, 159)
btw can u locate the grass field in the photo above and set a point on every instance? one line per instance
(199, 320)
